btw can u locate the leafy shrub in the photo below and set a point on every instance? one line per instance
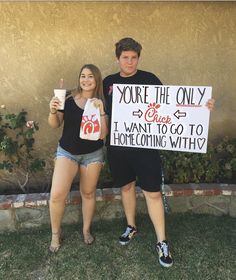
(16, 147)
(218, 165)
(17, 157)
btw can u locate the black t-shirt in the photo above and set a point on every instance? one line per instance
(140, 78)
(70, 140)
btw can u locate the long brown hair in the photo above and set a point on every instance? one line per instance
(98, 91)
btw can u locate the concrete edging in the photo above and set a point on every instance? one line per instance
(31, 210)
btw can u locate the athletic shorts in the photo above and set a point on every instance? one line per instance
(137, 164)
(85, 159)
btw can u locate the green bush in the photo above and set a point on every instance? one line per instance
(218, 165)
(17, 157)
(16, 147)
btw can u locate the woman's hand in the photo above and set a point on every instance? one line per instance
(98, 104)
(210, 104)
(54, 105)
(104, 129)
(55, 118)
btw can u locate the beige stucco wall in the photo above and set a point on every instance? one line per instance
(183, 43)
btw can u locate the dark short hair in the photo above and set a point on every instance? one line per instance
(127, 44)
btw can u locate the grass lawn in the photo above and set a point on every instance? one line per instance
(203, 248)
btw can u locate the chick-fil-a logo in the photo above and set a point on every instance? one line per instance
(90, 124)
(152, 115)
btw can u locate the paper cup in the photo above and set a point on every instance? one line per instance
(61, 95)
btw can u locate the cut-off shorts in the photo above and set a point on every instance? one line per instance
(85, 159)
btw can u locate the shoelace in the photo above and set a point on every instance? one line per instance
(164, 248)
(127, 232)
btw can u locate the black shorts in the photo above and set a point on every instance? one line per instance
(143, 165)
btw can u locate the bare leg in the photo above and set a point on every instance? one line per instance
(156, 213)
(88, 181)
(64, 173)
(128, 194)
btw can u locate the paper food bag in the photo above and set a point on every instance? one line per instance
(90, 128)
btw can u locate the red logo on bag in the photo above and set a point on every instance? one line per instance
(90, 125)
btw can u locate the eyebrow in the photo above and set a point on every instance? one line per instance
(133, 56)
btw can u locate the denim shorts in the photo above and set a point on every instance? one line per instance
(85, 159)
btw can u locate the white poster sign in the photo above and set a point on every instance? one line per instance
(160, 117)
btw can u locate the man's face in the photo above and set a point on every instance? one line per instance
(128, 62)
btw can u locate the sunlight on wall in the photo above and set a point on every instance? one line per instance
(183, 43)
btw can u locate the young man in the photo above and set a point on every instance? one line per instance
(127, 164)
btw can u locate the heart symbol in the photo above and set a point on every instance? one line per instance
(201, 142)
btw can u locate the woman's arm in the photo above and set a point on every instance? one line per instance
(103, 117)
(104, 125)
(55, 118)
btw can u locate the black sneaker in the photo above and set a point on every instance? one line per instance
(163, 251)
(129, 233)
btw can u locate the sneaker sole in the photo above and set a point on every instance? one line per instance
(165, 264)
(127, 242)
(123, 243)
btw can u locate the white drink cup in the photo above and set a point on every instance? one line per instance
(61, 95)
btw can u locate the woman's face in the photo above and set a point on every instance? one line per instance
(87, 80)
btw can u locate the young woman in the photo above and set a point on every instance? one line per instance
(75, 154)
